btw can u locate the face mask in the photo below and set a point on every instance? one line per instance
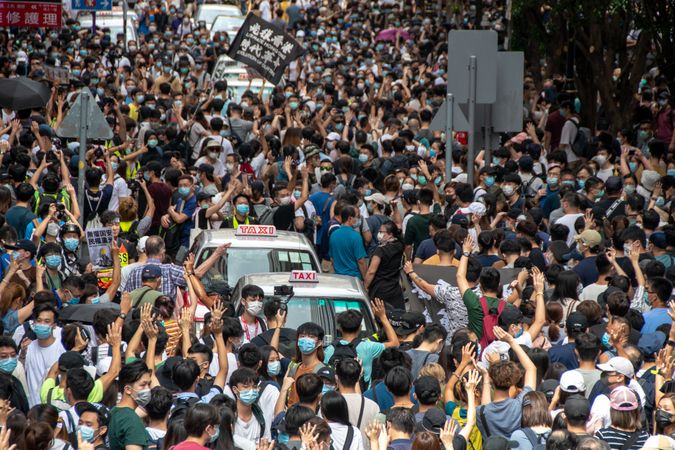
(8, 365)
(153, 143)
(273, 368)
(380, 236)
(213, 155)
(306, 345)
(581, 183)
(248, 397)
(479, 349)
(293, 105)
(629, 189)
(519, 333)
(214, 436)
(407, 187)
(671, 172)
(146, 177)
(339, 126)
(327, 388)
(74, 300)
(422, 180)
(184, 191)
(53, 261)
(508, 190)
(297, 194)
(42, 331)
(489, 181)
(357, 224)
(552, 181)
(140, 98)
(599, 195)
(663, 418)
(632, 166)
(86, 432)
(285, 200)
(142, 397)
(71, 244)
(363, 157)
(660, 201)
(605, 340)
(243, 209)
(601, 159)
(495, 161)
(95, 300)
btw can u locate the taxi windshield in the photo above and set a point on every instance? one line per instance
(243, 261)
(323, 310)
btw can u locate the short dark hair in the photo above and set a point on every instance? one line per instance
(184, 373)
(401, 419)
(444, 241)
(308, 387)
(251, 290)
(350, 320)
(24, 192)
(203, 349)
(295, 417)
(42, 307)
(662, 287)
(425, 197)
(490, 280)
(433, 332)
(243, 375)
(348, 371)
(80, 383)
(132, 372)
(198, 417)
(587, 346)
(398, 381)
(232, 328)
(249, 356)
(160, 404)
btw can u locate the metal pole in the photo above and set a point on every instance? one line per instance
(487, 141)
(84, 125)
(125, 8)
(472, 119)
(449, 102)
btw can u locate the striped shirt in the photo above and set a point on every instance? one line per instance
(616, 438)
(172, 277)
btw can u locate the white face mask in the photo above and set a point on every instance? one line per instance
(229, 167)
(213, 155)
(380, 236)
(285, 200)
(254, 307)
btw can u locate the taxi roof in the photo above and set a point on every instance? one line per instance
(283, 240)
(329, 285)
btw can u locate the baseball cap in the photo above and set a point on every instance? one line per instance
(659, 442)
(460, 219)
(23, 244)
(577, 407)
(377, 198)
(576, 321)
(499, 443)
(433, 421)
(651, 343)
(141, 244)
(618, 364)
(201, 195)
(70, 360)
(206, 168)
(405, 323)
(333, 136)
(614, 183)
(150, 272)
(213, 143)
(658, 239)
(548, 388)
(327, 372)
(590, 238)
(623, 398)
(573, 382)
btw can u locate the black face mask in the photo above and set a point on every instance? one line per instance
(663, 418)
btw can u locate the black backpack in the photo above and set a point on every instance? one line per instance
(180, 407)
(343, 351)
(581, 144)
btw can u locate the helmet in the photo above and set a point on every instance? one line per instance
(69, 228)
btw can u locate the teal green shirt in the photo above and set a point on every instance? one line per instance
(367, 351)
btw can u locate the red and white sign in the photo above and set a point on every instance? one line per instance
(30, 14)
(303, 276)
(256, 230)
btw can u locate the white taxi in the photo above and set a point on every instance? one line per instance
(311, 296)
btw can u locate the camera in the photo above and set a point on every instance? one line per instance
(61, 211)
(98, 153)
(133, 185)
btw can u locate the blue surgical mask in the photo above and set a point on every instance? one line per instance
(632, 166)
(53, 261)
(96, 300)
(184, 191)
(605, 340)
(327, 388)
(437, 180)
(519, 333)
(297, 194)
(489, 181)
(248, 397)
(363, 157)
(70, 244)
(552, 181)
(581, 183)
(214, 436)
(671, 172)
(495, 161)
(146, 177)
(660, 201)
(629, 189)
(153, 143)
(42, 331)
(306, 345)
(422, 180)
(273, 367)
(242, 209)
(8, 365)
(74, 300)
(114, 166)
(86, 432)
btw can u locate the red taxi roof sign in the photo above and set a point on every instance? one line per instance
(303, 276)
(256, 230)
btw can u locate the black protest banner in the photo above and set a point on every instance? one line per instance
(264, 47)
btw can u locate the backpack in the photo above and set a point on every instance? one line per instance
(93, 221)
(267, 216)
(581, 144)
(343, 351)
(180, 407)
(535, 439)
(131, 235)
(310, 225)
(155, 444)
(72, 434)
(490, 320)
(261, 210)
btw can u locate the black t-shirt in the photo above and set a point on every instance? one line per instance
(537, 258)
(605, 204)
(283, 217)
(287, 338)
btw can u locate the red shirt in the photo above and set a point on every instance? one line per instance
(161, 194)
(554, 125)
(187, 445)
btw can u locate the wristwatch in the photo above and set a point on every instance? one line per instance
(123, 316)
(467, 254)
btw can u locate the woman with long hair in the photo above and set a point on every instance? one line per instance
(625, 421)
(39, 436)
(382, 277)
(664, 417)
(536, 422)
(48, 414)
(270, 369)
(566, 292)
(308, 357)
(165, 306)
(334, 409)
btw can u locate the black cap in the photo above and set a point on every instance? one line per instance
(201, 195)
(499, 443)
(328, 373)
(23, 244)
(150, 272)
(510, 316)
(526, 163)
(548, 388)
(577, 408)
(576, 321)
(460, 219)
(427, 390)
(70, 360)
(405, 323)
(614, 184)
(433, 421)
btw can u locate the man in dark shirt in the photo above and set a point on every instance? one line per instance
(160, 192)
(553, 129)
(588, 244)
(575, 325)
(97, 198)
(612, 203)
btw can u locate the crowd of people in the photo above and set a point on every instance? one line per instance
(550, 328)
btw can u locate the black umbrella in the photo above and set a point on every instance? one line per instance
(84, 313)
(23, 93)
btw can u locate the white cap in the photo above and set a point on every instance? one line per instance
(333, 136)
(141, 244)
(618, 364)
(300, 34)
(573, 382)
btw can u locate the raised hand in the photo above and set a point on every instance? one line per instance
(377, 305)
(472, 382)
(502, 335)
(185, 320)
(467, 246)
(448, 433)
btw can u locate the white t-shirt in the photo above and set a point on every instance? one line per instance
(568, 220)
(218, 167)
(250, 430)
(232, 365)
(339, 436)
(603, 174)
(38, 362)
(120, 189)
(567, 137)
(267, 401)
(593, 291)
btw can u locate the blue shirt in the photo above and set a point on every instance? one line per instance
(346, 248)
(384, 398)
(551, 202)
(564, 354)
(367, 351)
(655, 318)
(187, 207)
(587, 271)
(426, 250)
(322, 202)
